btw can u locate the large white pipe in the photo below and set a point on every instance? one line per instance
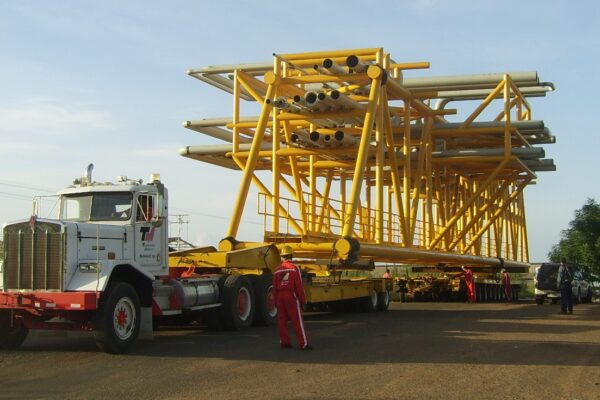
(355, 65)
(469, 81)
(320, 139)
(333, 67)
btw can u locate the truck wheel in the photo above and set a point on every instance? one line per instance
(266, 311)
(383, 300)
(237, 298)
(12, 335)
(117, 321)
(371, 302)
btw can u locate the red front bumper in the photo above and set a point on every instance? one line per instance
(71, 301)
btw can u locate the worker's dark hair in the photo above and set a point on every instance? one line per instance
(287, 256)
(563, 260)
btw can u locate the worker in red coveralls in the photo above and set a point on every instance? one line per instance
(468, 274)
(506, 285)
(289, 298)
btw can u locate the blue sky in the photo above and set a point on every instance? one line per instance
(105, 82)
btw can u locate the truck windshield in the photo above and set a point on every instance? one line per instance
(96, 207)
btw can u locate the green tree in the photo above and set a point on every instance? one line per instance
(580, 244)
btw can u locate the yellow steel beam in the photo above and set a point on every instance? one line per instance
(251, 163)
(375, 73)
(475, 195)
(498, 212)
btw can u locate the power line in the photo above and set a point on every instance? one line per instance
(215, 216)
(15, 196)
(20, 186)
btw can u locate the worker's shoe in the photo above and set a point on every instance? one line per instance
(286, 346)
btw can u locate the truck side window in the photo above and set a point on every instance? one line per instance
(145, 208)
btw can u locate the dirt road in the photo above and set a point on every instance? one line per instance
(413, 351)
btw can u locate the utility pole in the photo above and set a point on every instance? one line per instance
(180, 220)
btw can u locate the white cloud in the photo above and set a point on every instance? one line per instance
(50, 119)
(156, 152)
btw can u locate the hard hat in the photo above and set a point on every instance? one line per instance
(286, 251)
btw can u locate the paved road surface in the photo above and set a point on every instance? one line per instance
(413, 351)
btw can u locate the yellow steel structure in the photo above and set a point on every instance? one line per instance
(365, 163)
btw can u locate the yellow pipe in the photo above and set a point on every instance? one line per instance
(324, 200)
(379, 139)
(330, 54)
(483, 104)
(313, 191)
(477, 217)
(375, 74)
(236, 112)
(275, 172)
(407, 173)
(457, 215)
(250, 164)
(507, 135)
(498, 212)
(341, 79)
(411, 65)
(394, 165)
(263, 189)
(250, 88)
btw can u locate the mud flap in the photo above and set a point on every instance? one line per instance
(146, 331)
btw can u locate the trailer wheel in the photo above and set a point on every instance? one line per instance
(237, 311)
(12, 335)
(265, 313)
(117, 321)
(383, 300)
(371, 302)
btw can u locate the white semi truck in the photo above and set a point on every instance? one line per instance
(103, 266)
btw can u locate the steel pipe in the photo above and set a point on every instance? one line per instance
(333, 67)
(355, 65)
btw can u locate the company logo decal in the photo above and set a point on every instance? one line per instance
(147, 233)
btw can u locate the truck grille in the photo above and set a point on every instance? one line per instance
(33, 256)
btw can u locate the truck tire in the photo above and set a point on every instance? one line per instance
(371, 303)
(265, 313)
(237, 311)
(117, 321)
(11, 337)
(383, 300)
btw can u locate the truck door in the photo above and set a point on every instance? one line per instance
(148, 231)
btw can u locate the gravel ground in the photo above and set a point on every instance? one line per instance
(413, 351)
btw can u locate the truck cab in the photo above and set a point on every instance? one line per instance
(108, 237)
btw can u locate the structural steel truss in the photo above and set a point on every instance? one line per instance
(364, 163)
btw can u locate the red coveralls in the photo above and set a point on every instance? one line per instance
(289, 297)
(470, 285)
(506, 286)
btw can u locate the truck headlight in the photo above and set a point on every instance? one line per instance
(90, 267)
